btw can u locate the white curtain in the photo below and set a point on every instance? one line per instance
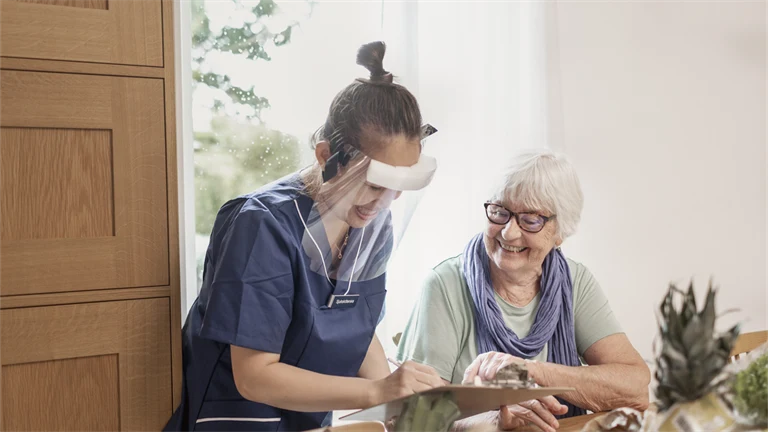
(486, 75)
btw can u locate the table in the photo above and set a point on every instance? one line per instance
(572, 424)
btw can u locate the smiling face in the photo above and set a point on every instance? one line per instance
(362, 202)
(515, 251)
(396, 150)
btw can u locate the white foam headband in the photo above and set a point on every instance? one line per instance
(401, 178)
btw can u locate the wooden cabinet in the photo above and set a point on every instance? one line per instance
(83, 169)
(98, 31)
(89, 269)
(92, 366)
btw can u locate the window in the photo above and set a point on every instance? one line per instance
(264, 73)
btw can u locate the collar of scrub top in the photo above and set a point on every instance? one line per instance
(398, 178)
(377, 242)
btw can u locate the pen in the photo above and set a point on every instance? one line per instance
(394, 362)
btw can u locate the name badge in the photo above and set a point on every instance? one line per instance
(342, 301)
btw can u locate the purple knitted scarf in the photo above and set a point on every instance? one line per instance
(553, 324)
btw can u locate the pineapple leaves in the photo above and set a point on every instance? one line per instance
(707, 314)
(689, 305)
(692, 355)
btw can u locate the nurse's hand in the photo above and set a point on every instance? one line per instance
(409, 378)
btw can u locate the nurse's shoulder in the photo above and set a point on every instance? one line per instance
(268, 210)
(267, 202)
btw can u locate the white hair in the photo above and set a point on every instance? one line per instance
(543, 180)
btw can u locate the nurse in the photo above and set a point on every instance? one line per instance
(282, 331)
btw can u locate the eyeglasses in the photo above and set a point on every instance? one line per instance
(529, 222)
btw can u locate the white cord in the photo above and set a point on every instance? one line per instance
(313, 241)
(354, 263)
(325, 270)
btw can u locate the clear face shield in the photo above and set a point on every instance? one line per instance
(361, 213)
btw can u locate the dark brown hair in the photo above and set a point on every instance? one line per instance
(375, 105)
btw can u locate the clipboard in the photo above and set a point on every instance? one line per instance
(471, 400)
(354, 427)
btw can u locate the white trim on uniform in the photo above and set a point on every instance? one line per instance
(246, 419)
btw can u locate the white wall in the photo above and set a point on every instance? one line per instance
(664, 115)
(661, 106)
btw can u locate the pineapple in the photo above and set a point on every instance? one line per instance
(692, 355)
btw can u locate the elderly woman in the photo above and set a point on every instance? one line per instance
(513, 297)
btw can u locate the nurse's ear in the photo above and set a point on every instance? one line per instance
(322, 153)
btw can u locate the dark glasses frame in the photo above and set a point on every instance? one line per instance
(517, 217)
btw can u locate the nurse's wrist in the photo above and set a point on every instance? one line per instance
(373, 393)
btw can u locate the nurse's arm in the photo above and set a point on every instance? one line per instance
(374, 365)
(260, 377)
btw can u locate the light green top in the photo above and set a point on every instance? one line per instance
(441, 330)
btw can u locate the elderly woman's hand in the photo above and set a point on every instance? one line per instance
(487, 365)
(540, 412)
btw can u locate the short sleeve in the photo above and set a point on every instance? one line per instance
(382, 314)
(432, 336)
(250, 291)
(593, 317)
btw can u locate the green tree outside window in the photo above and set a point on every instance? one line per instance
(238, 153)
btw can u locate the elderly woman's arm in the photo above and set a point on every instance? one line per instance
(616, 376)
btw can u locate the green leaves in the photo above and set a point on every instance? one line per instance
(236, 153)
(235, 158)
(201, 25)
(236, 94)
(252, 38)
(242, 40)
(265, 8)
(283, 37)
(750, 389)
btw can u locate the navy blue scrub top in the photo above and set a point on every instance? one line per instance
(258, 292)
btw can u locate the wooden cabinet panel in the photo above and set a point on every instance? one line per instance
(84, 193)
(77, 181)
(99, 31)
(91, 366)
(88, 4)
(79, 394)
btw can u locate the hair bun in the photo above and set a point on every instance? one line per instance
(371, 56)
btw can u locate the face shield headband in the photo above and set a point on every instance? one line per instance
(396, 178)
